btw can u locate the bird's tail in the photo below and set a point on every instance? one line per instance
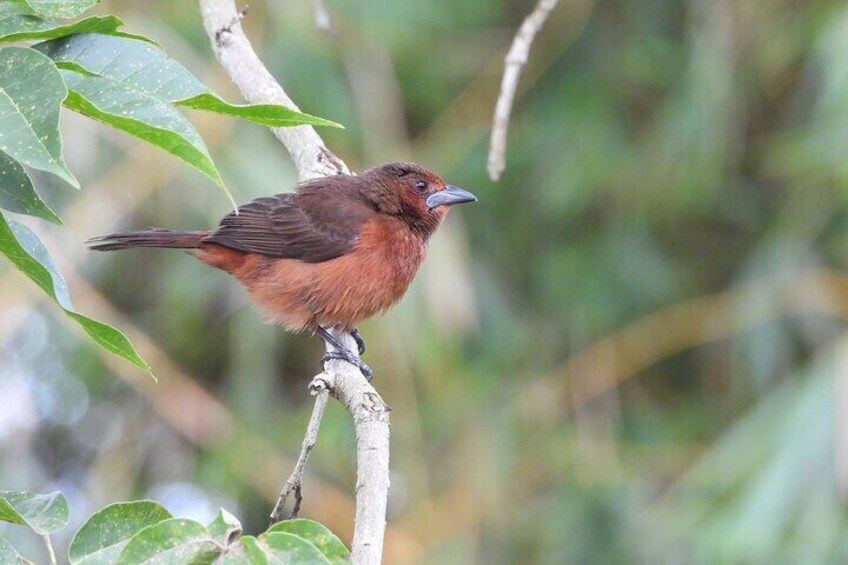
(148, 238)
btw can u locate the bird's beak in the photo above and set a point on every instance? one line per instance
(449, 196)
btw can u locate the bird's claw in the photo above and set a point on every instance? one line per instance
(346, 355)
(339, 351)
(357, 337)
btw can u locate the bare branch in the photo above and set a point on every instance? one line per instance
(371, 418)
(318, 387)
(233, 50)
(514, 63)
(344, 381)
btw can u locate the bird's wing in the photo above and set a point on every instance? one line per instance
(311, 226)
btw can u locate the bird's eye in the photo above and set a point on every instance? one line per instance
(421, 186)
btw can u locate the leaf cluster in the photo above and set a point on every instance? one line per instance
(144, 532)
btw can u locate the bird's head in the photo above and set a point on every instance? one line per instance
(419, 197)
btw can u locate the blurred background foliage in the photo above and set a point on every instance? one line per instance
(631, 350)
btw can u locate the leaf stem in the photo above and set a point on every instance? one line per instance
(50, 551)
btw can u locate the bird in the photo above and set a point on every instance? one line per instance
(332, 253)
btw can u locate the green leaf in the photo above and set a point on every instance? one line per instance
(44, 513)
(18, 26)
(75, 67)
(127, 90)
(62, 9)
(143, 116)
(31, 95)
(146, 68)
(136, 88)
(104, 535)
(23, 248)
(225, 527)
(318, 535)
(8, 555)
(17, 193)
(271, 115)
(135, 65)
(19, 22)
(274, 548)
(171, 541)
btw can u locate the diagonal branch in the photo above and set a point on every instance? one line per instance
(344, 381)
(294, 484)
(514, 63)
(235, 53)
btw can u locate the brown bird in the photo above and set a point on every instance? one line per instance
(334, 252)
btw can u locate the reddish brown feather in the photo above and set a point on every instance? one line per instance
(334, 253)
(317, 223)
(341, 291)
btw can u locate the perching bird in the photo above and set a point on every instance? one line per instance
(334, 252)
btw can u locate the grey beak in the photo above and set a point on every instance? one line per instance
(449, 196)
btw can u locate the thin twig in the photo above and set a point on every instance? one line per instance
(50, 552)
(514, 63)
(318, 387)
(322, 16)
(344, 381)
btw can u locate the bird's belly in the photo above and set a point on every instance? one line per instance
(352, 291)
(342, 291)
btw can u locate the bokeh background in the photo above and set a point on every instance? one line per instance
(633, 349)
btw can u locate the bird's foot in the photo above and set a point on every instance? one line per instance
(360, 343)
(343, 353)
(348, 356)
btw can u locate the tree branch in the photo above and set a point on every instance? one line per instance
(318, 388)
(371, 419)
(514, 63)
(343, 380)
(233, 50)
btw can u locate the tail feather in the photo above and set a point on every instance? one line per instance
(148, 238)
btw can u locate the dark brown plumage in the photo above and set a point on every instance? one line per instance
(333, 253)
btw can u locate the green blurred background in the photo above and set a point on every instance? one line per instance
(632, 349)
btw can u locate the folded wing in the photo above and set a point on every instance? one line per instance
(307, 225)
